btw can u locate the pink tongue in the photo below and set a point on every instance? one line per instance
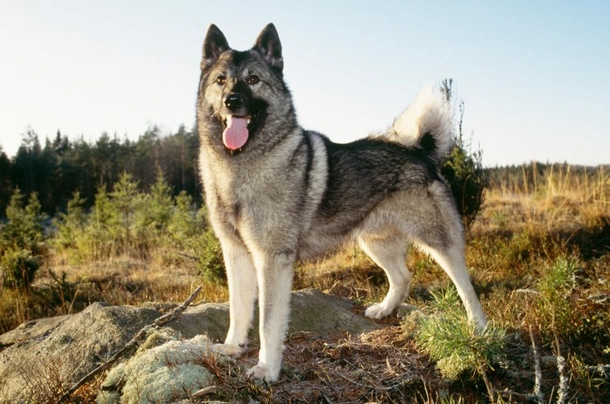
(236, 133)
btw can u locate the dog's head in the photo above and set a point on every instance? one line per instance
(239, 90)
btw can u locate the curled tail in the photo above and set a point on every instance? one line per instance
(426, 124)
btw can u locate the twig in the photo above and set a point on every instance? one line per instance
(134, 342)
(488, 385)
(192, 257)
(511, 393)
(533, 292)
(562, 393)
(204, 392)
(351, 381)
(602, 370)
(599, 299)
(538, 371)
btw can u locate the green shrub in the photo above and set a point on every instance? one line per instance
(467, 179)
(160, 204)
(557, 311)
(22, 241)
(18, 268)
(71, 224)
(456, 343)
(210, 262)
(23, 229)
(185, 222)
(126, 221)
(463, 169)
(101, 236)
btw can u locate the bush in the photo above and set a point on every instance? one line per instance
(557, 311)
(210, 262)
(70, 225)
(21, 241)
(126, 221)
(18, 268)
(463, 169)
(456, 343)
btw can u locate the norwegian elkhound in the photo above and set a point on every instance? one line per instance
(278, 193)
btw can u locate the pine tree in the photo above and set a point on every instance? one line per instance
(22, 241)
(463, 169)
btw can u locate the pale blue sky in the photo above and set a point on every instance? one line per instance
(534, 75)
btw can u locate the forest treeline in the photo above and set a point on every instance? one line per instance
(59, 167)
(55, 170)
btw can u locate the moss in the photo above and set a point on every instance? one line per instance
(160, 374)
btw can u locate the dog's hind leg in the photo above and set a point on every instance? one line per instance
(452, 261)
(390, 254)
(443, 239)
(241, 277)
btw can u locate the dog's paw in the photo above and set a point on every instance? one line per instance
(228, 349)
(263, 372)
(378, 311)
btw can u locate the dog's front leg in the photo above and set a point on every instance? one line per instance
(274, 272)
(241, 277)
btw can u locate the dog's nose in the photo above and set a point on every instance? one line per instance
(233, 101)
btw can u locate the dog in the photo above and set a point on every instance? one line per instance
(277, 193)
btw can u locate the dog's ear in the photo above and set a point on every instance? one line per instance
(269, 46)
(213, 45)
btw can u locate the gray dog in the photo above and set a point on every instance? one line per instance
(278, 193)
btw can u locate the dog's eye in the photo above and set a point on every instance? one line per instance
(221, 80)
(252, 79)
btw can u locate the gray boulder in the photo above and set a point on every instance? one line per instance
(43, 357)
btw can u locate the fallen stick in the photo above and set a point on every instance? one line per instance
(134, 342)
(537, 369)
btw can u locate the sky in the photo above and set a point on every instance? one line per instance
(534, 76)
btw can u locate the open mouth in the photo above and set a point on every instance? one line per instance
(237, 131)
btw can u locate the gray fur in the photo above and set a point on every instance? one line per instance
(290, 194)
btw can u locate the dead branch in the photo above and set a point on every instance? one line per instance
(538, 372)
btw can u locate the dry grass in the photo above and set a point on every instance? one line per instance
(529, 224)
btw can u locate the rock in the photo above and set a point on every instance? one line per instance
(405, 310)
(210, 319)
(50, 355)
(30, 371)
(311, 311)
(31, 329)
(321, 314)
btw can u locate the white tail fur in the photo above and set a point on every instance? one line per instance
(426, 123)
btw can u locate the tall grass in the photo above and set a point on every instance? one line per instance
(553, 195)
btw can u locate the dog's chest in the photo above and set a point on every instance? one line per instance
(245, 195)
